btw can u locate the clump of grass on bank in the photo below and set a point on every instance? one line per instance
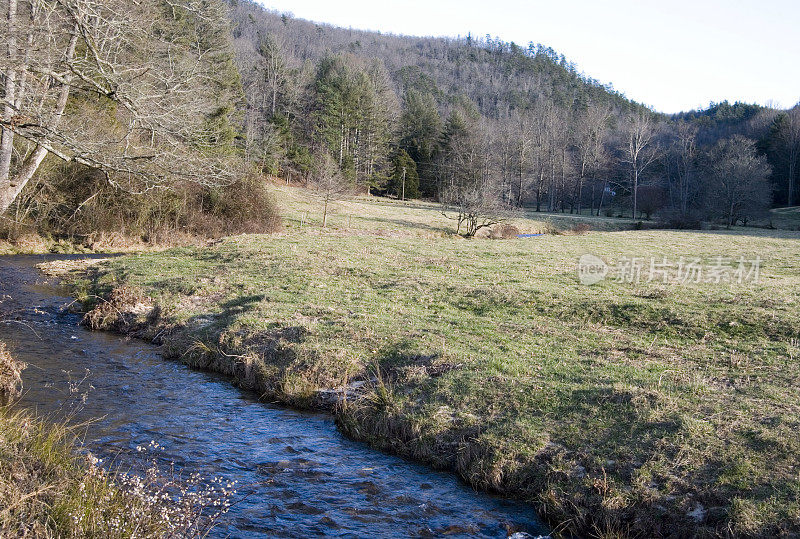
(632, 409)
(49, 489)
(10, 376)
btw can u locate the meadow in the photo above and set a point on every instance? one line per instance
(634, 406)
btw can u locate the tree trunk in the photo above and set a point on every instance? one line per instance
(14, 185)
(792, 173)
(580, 185)
(730, 214)
(602, 196)
(9, 193)
(7, 138)
(341, 144)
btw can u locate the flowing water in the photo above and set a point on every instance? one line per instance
(296, 474)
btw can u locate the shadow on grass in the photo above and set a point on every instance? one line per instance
(393, 203)
(235, 307)
(413, 224)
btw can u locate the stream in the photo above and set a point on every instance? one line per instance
(296, 475)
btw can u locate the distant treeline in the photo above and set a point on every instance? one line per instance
(517, 122)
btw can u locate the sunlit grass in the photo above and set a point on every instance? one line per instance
(301, 208)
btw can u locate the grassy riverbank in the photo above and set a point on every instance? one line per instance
(622, 408)
(49, 488)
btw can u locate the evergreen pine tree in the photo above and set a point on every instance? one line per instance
(405, 180)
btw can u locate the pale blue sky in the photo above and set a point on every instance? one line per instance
(672, 54)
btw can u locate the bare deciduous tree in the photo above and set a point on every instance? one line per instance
(120, 86)
(468, 191)
(473, 206)
(329, 184)
(789, 136)
(590, 137)
(639, 150)
(683, 157)
(737, 179)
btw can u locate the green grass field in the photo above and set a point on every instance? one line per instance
(621, 408)
(300, 209)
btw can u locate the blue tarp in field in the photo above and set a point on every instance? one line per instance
(529, 235)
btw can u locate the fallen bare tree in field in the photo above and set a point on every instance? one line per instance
(139, 90)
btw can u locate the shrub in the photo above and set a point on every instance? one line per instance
(580, 228)
(243, 207)
(503, 231)
(679, 220)
(651, 199)
(79, 202)
(550, 228)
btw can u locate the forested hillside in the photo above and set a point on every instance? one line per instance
(162, 117)
(495, 124)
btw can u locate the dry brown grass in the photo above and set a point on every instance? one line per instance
(503, 231)
(125, 310)
(581, 228)
(10, 376)
(48, 489)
